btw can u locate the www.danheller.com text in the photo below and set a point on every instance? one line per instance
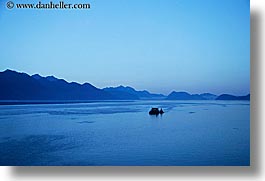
(48, 5)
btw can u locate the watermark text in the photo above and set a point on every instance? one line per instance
(50, 5)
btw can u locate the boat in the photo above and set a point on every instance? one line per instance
(156, 111)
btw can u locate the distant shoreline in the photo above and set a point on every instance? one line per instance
(21, 86)
(38, 102)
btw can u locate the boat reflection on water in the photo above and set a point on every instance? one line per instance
(156, 111)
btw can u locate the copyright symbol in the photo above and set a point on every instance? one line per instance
(10, 4)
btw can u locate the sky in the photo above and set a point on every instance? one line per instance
(160, 45)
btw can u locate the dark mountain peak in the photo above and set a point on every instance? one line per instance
(121, 92)
(145, 92)
(125, 88)
(127, 92)
(233, 97)
(13, 73)
(74, 83)
(51, 78)
(186, 96)
(90, 86)
(119, 87)
(37, 76)
(86, 84)
(21, 86)
(130, 88)
(179, 93)
(8, 71)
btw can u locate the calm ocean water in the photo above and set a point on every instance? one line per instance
(123, 133)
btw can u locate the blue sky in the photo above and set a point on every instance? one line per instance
(159, 45)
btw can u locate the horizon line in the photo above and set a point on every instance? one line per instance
(120, 85)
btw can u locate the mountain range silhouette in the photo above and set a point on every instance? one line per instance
(21, 86)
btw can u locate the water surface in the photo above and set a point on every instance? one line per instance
(123, 133)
